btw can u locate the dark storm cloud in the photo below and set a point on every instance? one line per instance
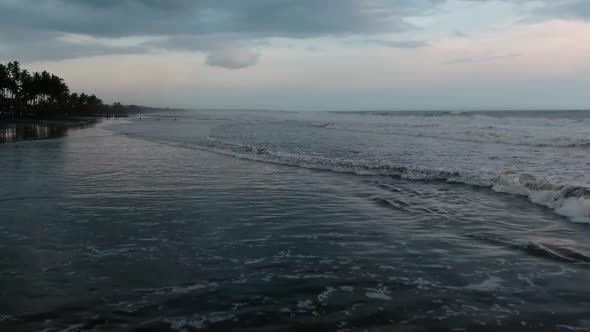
(30, 29)
(261, 18)
(28, 26)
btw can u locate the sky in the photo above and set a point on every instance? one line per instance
(310, 54)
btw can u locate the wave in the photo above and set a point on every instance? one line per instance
(572, 201)
(548, 249)
(529, 114)
(473, 135)
(563, 254)
(480, 128)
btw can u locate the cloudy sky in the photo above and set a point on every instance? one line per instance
(310, 54)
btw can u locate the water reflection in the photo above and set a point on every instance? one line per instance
(29, 131)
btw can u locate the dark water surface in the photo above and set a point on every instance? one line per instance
(15, 132)
(142, 230)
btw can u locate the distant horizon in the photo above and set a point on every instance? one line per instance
(376, 110)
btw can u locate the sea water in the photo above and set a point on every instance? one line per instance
(252, 220)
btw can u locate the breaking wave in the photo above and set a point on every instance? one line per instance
(539, 247)
(481, 128)
(571, 201)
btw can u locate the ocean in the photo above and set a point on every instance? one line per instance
(314, 221)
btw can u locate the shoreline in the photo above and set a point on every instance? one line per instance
(19, 130)
(50, 122)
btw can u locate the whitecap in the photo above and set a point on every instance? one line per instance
(489, 284)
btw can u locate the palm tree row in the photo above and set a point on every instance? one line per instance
(42, 95)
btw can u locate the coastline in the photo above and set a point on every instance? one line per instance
(74, 122)
(29, 128)
(18, 130)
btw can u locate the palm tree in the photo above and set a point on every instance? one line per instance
(27, 88)
(37, 89)
(15, 86)
(41, 93)
(4, 85)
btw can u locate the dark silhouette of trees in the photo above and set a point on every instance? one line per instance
(25, 94)
(4, 86)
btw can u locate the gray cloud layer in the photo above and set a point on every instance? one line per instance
(29, 29)
(262, 18)
(200, 25)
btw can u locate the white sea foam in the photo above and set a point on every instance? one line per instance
(305, 304)
(179, 289)
(489, 284)
(322, 297)
(198, 322)
(381, 293)
(567, 200)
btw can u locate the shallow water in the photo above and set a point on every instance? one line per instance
(15, 132)
(139, 226)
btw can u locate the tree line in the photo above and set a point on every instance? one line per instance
(26, 94)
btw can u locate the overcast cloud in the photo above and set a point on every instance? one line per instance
(193, 25)
(324, 46)
(29, 26)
